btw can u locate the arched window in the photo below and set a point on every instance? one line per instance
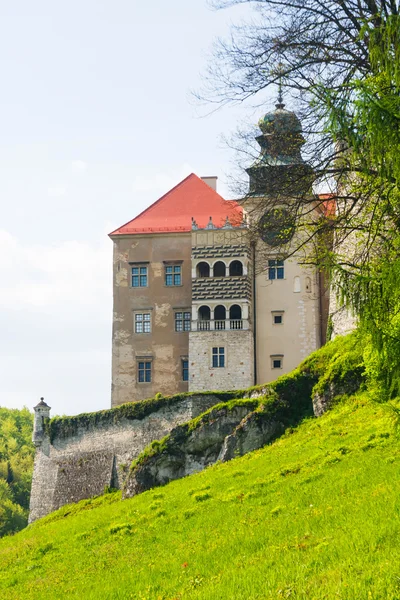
(204, 313)
(203, 324)
(235, 317)
(308, 285)
(235, 268)
(203, 269)
(219, 316)
(219, 269)
(296, 284)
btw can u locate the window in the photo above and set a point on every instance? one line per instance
(144, 371)
(173, 275)
(276, 269)
(139, 276)
(182, 321)
(277, 317)
(218, 357)
(185, 369)
(142, 323)
(277, 361)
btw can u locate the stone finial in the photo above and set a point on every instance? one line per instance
(227, 224)
(42, 412)
(210, 224)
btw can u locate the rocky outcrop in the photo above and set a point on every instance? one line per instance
(255, 431)
(324, 399)
(187, 449)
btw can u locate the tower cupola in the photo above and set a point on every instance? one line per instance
(280, 160)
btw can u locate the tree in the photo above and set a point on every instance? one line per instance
(340, 60)
(16, 465)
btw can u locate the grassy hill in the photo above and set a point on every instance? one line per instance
(315, 515)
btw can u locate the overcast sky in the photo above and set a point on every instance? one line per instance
(96, 122)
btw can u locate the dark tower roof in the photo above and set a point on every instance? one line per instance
(42, 404)
(280, 161)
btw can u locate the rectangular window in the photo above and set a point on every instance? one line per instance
(139, 276)
(218, 357)
(144, 371)
(173, 275)
(185, 369)
(277, 361)
(142, 323)
(276, 269)
(182, 321)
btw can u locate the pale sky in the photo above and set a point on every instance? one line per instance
(96, 122)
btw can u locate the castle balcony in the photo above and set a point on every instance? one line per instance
(229, 324)
(220, 318)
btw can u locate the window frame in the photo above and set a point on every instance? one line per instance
(218, 357)
(185, 321)
(277, 314)
(276, 269)
(173, 273)
(141, 277)
(144, 321)
(276, 358)
(146, 370)
(185, 369)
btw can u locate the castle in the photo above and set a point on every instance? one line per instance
(196, 308)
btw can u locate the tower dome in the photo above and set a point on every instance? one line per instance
(280, 122)
(280, 163)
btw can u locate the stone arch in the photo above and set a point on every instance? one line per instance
(236, 268)
(308, 285)
(219, 269)
(203, 269)
(220, 312)
(235, 312)
(204, 313)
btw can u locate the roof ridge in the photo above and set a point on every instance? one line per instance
(156, 202)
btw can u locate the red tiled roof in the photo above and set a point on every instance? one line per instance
(173, 212)
(328, 205)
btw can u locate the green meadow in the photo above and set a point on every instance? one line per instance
(314, 515)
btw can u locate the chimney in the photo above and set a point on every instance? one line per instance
(211, 181)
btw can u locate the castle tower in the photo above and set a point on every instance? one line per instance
(42, 412)
(288, 306)
(221, 349)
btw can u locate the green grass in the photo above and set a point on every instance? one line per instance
(315, 515)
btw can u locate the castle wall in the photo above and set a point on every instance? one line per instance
(80, 463)
(238, 372)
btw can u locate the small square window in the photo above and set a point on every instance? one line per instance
(277, 361)
(144, 371)
(277, 317)
(218, 357)
(185, 369)
(173, 275)
(139, 276)
(182, 321)
(142, 323)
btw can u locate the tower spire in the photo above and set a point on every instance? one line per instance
(280, 104)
